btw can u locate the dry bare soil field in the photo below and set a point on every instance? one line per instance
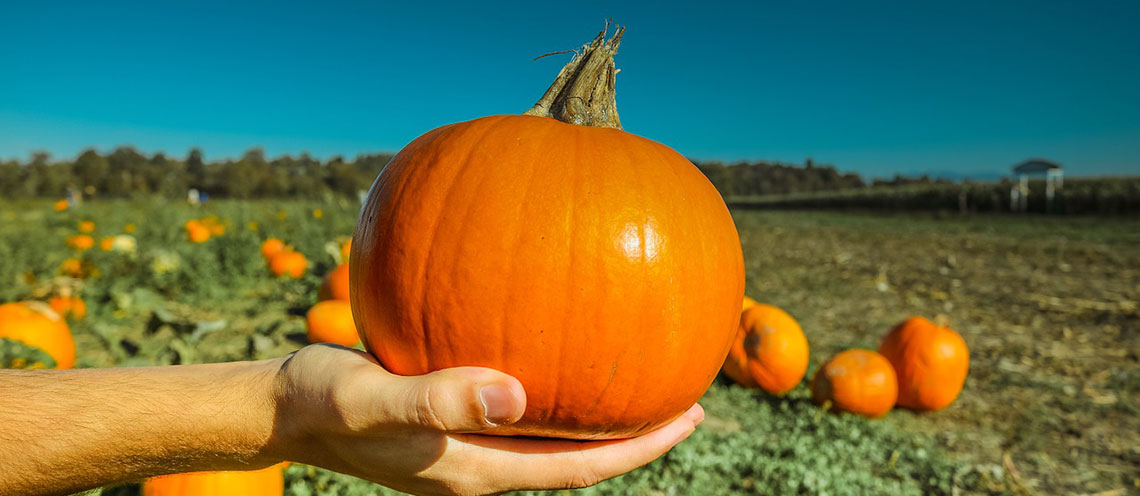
(1048, 306)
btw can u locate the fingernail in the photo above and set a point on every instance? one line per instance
(498, 404)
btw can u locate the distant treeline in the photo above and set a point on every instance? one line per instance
(125, 172)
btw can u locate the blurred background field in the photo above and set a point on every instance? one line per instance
(1048, 305)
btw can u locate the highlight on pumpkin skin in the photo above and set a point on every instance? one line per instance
(36, 325)
(931, 361)
(856, 381)
(770, 351)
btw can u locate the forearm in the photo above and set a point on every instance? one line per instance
(65, 431)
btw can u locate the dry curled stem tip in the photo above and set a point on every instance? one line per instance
(583, 93)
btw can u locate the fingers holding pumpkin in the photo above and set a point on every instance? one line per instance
(460, 399)
(522, 463)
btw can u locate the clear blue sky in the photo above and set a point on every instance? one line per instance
(870, 87)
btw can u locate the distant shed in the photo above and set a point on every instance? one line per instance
(1054, 180)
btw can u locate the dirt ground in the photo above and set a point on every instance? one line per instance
(1048, 306)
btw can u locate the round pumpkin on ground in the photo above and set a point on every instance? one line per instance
(770, 351)
(330, 321)
(931, 362)
(68, 307)
(196, 232)
(857, 381)
(36, 325)
(335, 285)
(271, 247)
(265, 482)
(288, 263)
(86, 226)
(600, 268)
(81, 242)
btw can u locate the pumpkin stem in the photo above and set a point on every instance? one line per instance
(942, 320)
(583, 93)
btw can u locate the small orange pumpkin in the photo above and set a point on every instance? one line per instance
(107, 243)
(857, 381)
(335, 285)
(86, 226)
(330, 321)
(68, 307)
(268, 481)
(130, 228)
(61, 205)
(79, 269)
(35, 324)
(288, 263)
(770, 351)
(931, 361)
(197, 232)
(271, 246)
(81, 242)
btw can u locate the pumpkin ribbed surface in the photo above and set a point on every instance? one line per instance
(599, 268)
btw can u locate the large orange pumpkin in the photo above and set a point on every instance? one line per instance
(271, 246)
(857, 381)
(330, 321)
(36, 325)
(601, 269)
(288, 263)
(68, 306)
(770, 351)
(335, 285)
(931, 362)
(265, 482)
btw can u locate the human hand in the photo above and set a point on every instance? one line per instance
(339, 409)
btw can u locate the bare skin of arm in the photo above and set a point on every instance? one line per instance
(67, 431)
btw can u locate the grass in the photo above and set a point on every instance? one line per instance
(1047, 305)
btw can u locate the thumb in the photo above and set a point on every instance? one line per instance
(460, 399)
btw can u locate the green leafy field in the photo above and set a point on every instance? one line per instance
(1047, 305)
